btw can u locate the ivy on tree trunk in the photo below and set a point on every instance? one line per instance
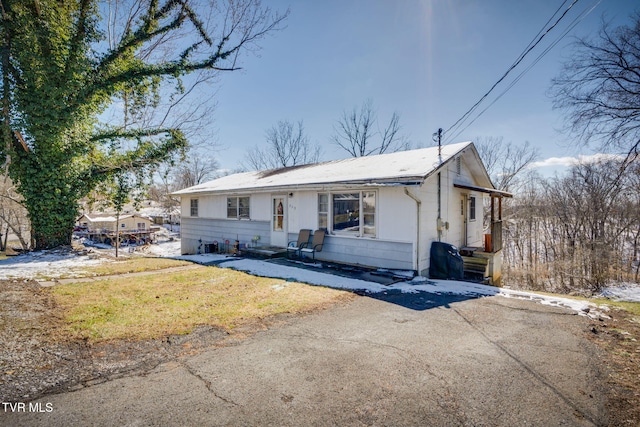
(61, 72)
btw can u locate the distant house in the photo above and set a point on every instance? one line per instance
(128, 223)
(379, 211)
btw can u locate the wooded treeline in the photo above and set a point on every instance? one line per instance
(577, 232)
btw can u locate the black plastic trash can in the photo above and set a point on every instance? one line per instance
(446, 262)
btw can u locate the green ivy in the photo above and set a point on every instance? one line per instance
(59, 76)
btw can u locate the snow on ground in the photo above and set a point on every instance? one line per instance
(623, 292)
(168, 249)
(52, 264)
(262, 268)
(49, 264)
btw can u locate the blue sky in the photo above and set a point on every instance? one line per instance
(429, 60)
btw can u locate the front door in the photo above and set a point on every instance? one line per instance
(279, 221)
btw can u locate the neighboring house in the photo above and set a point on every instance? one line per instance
(133, 222)
(380, 211)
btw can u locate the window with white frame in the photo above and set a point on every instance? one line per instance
(369, 213)
(323, 212)
(349, 213)
(194, 207)
(238, 207)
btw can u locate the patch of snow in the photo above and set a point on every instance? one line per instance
(584, 308)
(267, 269)
(50, 264)
(98, 245)
(623, 292)
(169, 248)
(205, 258)
(279, 286)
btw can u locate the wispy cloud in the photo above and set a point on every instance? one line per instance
(570, 161)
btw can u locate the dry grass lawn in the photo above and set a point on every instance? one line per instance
(135, 264)
(165, 303)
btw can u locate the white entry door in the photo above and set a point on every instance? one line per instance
(279, 221)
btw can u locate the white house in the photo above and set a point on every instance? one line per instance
(381, 211)
(127, 222)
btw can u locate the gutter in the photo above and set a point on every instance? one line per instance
(418, 205)
(343, 185)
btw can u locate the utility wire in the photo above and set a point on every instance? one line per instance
(527, 50)
(571, 26)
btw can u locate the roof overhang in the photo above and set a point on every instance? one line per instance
(491, 191)
(324, 186)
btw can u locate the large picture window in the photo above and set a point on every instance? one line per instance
(346, 212)
(238, 207)
(352, 213)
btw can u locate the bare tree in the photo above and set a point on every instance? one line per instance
(13, 216)
(576, 232)
(599, 88)
(357, 132)
(195, 170)
(505, 162)
(287, 145)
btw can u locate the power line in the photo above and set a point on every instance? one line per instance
(527, 50)
(571, 26)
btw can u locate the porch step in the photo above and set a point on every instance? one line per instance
(476, 265)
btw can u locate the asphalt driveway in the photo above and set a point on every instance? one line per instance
(490, 361)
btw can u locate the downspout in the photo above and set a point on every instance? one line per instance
(418, 204)
(439, 220)
(438, 137)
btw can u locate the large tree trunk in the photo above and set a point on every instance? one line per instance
(52, 212)
(51, 228)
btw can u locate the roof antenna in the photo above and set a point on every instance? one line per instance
(437, 137)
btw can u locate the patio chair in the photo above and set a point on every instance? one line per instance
(303, 242)
(316, 245)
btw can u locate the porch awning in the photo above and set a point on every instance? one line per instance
(491, 191)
